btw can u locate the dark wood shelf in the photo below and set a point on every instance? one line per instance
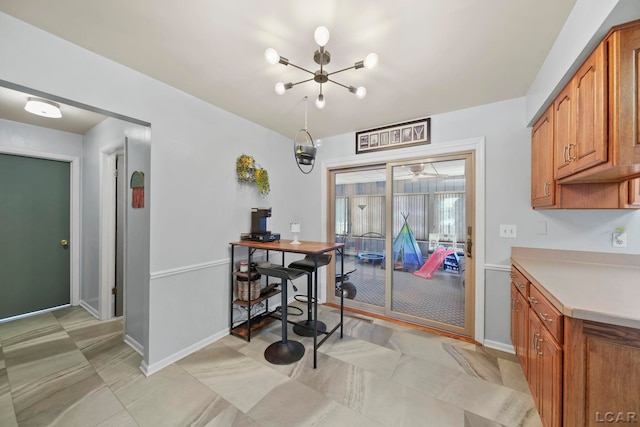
(257, 323)
(263, 296)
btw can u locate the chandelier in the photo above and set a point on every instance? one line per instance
(321, 57)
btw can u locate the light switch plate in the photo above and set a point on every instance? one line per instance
(508, 231)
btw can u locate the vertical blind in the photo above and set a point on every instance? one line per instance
(358, 215)
(367, 214)
(449, 213)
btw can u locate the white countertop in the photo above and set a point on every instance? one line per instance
(602, 287)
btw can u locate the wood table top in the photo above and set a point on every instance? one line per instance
(305, 246)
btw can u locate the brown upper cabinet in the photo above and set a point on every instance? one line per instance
(580, 125)
(602, 142)
(542, 179)
(585, 148)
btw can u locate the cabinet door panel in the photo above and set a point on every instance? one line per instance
(533, 362)
(589, 113)
(519, 319)
(634, 193)
(562, 132)
(550, 400)
(542, 153)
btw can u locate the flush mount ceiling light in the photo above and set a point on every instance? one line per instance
(321, 57)
(43, 107)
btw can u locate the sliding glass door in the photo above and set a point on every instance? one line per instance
(360, 222)
(407, 228)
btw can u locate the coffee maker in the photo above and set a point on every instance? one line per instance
(259, 230)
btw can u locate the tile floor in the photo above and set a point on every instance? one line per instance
(68, 369)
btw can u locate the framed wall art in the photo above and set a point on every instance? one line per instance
(417, 132)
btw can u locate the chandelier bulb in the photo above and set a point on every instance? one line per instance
(361, 92)
(371, 61)
(321, 36)
(271, 55)
(280, 88)
(320, 102)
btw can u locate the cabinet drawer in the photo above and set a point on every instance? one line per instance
(547, 313)
(519, 281)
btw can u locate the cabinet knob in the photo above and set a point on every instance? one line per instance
(546, 189)
(572, 158)
(545, 317)
(532, 300)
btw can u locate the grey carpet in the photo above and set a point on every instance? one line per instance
(440, 299)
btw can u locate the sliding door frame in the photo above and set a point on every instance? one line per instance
(476, 173)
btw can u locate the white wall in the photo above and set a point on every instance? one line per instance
(507, 201)
(196, 205)
(34, 139)
(588, 23)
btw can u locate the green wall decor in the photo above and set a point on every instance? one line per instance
(249, 172)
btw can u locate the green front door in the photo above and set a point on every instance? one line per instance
(34, 234)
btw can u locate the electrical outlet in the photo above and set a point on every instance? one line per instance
(541, 227)
(508, 231)
(619, 240)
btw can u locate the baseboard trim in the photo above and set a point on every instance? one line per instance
(151, 369)
(90, 309)
(507, 348)
(135, 345)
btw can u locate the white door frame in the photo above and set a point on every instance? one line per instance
(74, 212)
(449, 147)
(107, 221)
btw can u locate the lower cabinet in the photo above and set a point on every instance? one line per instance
(544, 372)
(519, 313)
(580, 372)
(602, 374)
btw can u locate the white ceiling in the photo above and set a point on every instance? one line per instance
(435, 55)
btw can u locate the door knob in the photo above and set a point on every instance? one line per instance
(64, 243)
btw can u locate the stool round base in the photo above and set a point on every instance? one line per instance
(305, 328)
(281, 353)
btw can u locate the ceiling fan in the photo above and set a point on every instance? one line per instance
(418, 171)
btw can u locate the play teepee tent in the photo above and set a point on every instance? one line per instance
(406, 252)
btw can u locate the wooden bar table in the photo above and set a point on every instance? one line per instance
(312, 249)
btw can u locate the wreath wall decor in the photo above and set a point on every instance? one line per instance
(249, 172)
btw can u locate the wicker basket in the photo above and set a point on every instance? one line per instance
(244, 287)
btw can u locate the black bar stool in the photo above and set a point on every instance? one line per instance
(283, 352)
(305, 328)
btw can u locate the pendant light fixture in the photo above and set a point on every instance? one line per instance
(304, 148)
(321, 57)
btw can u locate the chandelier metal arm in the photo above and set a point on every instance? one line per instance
(300, 68)
(344, 69)
(303, 81)
(340, 84)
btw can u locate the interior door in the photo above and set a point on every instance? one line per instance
(35, 231)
